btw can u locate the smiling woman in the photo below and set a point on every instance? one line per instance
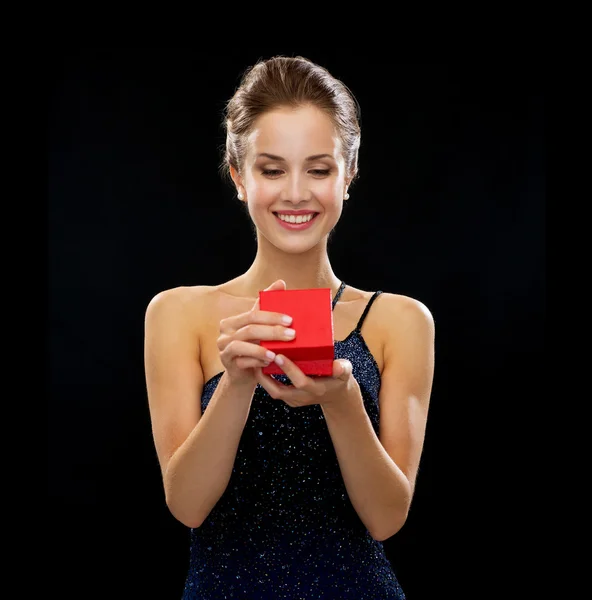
(289, 483)
(278, 178)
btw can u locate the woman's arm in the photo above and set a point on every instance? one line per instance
(196, 452)
(380, 472)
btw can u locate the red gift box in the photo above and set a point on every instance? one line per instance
(312, 350)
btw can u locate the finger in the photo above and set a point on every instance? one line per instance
(239, 348)
(342, 369)
(276, 389)
(233, 324)
(243, 362)
(297, 377)
(230, 325)
(256, 331)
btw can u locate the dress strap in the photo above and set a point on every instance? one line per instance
(361, 321)
(338, 294)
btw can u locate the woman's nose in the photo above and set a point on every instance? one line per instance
(296, 189)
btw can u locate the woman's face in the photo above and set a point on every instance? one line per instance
(294, 163)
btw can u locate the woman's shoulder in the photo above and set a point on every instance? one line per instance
(390, 301)
(403, 320)
(183, 294)
(195, 303)
(401, 307)
(393, 311)
(387, 307)
(184, 305)
(180, 297)
(402, 301)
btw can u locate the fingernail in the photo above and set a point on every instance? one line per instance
(270, 354)
(289, 333)
(279, 360)
(287, 320)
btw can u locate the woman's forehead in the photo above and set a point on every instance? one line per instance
(289, 132)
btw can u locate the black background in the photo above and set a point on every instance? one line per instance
(449, 209)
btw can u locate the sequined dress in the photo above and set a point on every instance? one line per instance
(284, 528)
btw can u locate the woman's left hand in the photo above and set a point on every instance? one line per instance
(305, 390)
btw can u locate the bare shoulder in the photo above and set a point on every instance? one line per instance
(394, 307)
(183, 303)
(180, 297)
(399, 306)
(404, 319)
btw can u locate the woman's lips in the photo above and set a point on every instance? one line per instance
(296, 226)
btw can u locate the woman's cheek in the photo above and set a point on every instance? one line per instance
(265, 190)
(329, 189)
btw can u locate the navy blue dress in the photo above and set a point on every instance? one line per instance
(285, 528)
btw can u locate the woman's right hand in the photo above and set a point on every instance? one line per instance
(238, 343)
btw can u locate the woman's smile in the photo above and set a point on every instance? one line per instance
(296, 222)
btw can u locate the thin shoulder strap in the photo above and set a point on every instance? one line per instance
(361, 321)
(338, 294)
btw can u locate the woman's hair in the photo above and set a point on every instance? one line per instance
(289, 82)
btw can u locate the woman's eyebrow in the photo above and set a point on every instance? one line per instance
(279, 158)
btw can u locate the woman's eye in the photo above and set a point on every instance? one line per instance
(278, 172)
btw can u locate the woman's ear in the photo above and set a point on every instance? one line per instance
(345, 191)
(238, 182)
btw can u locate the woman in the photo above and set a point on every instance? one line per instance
(289, 484)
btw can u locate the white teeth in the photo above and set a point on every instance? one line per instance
(296, 219)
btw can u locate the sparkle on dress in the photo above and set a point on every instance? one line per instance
(285, 528)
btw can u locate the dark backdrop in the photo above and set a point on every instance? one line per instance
(449, 209)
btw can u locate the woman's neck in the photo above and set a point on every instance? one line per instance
(299, 271)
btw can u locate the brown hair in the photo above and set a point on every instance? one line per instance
(290, 81)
